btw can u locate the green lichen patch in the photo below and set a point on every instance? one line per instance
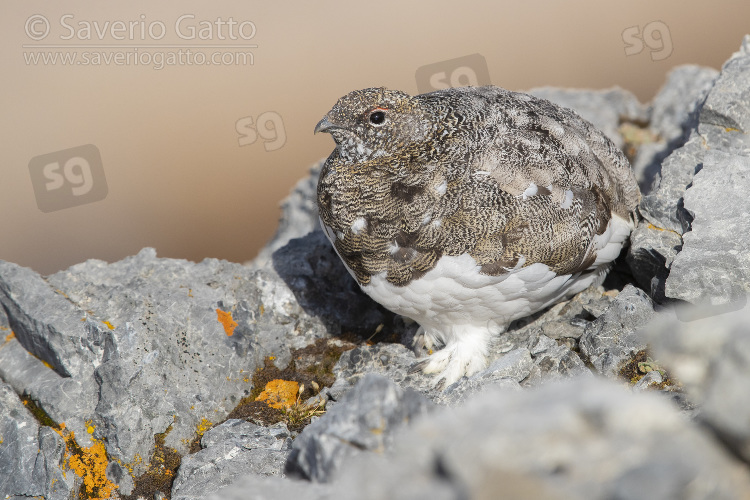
(39, 414)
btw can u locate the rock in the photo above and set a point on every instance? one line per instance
(672, 116)
(605, 109)
(652, 378)
(507, 371)
(137, 347)
(683, 93)
(299, 216)
(721, 127)
(230, 451)
(582, 438)
(714, 264)
(708, 351)
(364, 420)
(514, 365)
(553, 361)
(728, 104)
(650, 256)
(393, 361)
(30, 454)
(253, 487)
(663, 207)
(321, 284)
(611, 340)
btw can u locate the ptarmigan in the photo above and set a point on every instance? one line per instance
(467, 208)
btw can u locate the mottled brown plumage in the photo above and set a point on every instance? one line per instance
(503, 177)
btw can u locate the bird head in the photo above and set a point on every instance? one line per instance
(375, 122)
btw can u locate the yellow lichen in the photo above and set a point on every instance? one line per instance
(203, 426)
(225, 318)
(109, 325)
(279, 394)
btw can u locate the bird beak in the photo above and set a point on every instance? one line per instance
(324, 125)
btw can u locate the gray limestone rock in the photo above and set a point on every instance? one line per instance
(506, 371)
(722, 127)
(137, 347)
(728, 104)
(322, 286)
(30, 454)
(650, 256)
(230, 451)
(708, 350)
(672, 116)
(663, 207)
(365, 420)
(393, 361)
(673, 107)
(582, 438)
(652, 378)
(553, 361)
(252, 487)
(714, 264)
(612, 339)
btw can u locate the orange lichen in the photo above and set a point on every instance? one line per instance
(10, 337)
(225, 318)
(109, 325)
(279, 394)
(90, 464)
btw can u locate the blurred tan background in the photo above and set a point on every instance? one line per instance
(186, 170)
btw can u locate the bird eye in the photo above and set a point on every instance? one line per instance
(377, 117)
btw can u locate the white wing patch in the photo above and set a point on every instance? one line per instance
(358, 225)
(568, 201)
(532, 190)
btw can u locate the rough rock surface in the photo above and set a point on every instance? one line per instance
(672, 114)
(230, 451)
(136, 347)
(311, 269)
(29, 453)
(135, 358)
(365, 420)
(708, 350)
(661, 263)
(611, 340)
(580, 438)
